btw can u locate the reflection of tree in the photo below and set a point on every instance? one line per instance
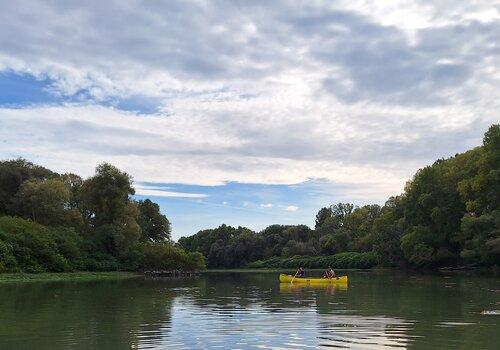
(386, 306)
(411, 307)
(99, 314)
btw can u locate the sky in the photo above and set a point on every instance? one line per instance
(248, 113)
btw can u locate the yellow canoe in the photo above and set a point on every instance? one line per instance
(327, 288)
(287, 279)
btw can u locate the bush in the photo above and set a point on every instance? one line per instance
(8, 262)
(99, 262)
(347, 260)
(32, 246)
(165, 256)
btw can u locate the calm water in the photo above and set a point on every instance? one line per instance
(378, 310)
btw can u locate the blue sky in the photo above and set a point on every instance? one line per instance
(248, 113)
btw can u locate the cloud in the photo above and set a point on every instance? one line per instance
(291, 208)
(266, 205)
(161, 193)
(356, 93)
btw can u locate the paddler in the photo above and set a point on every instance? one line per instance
(329, 273)
(301, 273)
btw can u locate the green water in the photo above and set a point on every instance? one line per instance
(378, 310)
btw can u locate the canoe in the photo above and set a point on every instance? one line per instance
(327, 288)
(287, 279)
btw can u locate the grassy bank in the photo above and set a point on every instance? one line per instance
(65, 276)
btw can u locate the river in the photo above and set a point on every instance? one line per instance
(377, 310)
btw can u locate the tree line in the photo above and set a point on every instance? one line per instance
(448, 215)
(61, 222)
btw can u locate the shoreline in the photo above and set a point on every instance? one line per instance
(66, 276)
(119, 275)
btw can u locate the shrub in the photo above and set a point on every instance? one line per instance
(346, 260)
(32, 246)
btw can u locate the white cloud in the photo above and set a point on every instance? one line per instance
(356, 92)
(266, 205)
(291, 208)
(161, 193)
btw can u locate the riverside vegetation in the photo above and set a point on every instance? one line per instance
(52, 223)
(448, 215)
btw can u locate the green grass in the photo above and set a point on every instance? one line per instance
(65, 276)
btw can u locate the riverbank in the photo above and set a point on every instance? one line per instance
(284, 270)
(66, 276)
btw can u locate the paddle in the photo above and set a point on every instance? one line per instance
(291, 282)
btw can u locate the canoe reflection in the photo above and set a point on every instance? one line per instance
(329, 289)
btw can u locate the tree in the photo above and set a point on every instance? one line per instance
(154, 225)
(386, 236)
(342, 210)
(322, 216)
(106, 195)
(12, 174)
(482, 190)
(46, 202)
(480, 238)
(109, 211)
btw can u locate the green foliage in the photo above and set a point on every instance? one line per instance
(46, 202)
(30, 247)
(480, 238)
(346, 260)
(64, 223)
(322, 216)
(106, 195)
(447, 215)
(481, 190)
(12, 174)
(227, 246)
(167, 257)
(451, 206)
(386, 234)
(154, 226)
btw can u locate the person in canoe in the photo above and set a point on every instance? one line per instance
(329, 273)
(301, 273)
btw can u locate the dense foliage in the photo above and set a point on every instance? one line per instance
(448, 215)
(346, 260)
(52, 222)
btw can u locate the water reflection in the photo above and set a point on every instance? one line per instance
(327, 289)
(378, 311)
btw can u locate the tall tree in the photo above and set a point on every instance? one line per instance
(110, 212)
(12, 174)
(154, 225)
(106, 195)
(482, 190)
(46, 202)
(322, 216)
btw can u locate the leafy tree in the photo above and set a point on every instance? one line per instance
(58, 240)
(32, 246)
(46, 202)
(482, 190)
(154, 225)
(110, 213)
(386, 233)
(480, 238)
(106, 195)
(322, 216)
(12, 174)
